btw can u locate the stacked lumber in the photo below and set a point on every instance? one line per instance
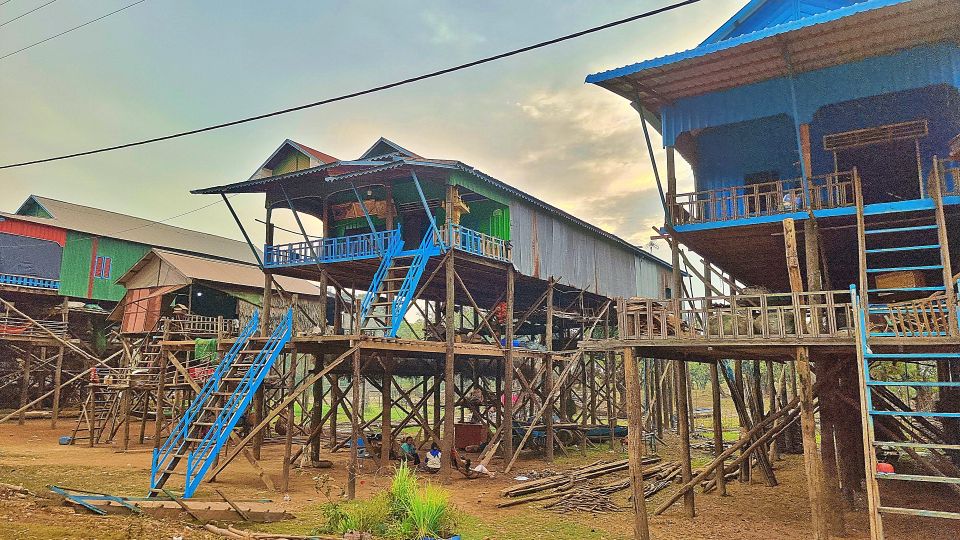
(573, 485)
(584, 500)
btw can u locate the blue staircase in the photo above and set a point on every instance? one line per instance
(394, 286)
(906, 337)
(206, 425)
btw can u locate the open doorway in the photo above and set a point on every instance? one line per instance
(887, 158)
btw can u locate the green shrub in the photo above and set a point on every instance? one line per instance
(402, 490)
(407, 512)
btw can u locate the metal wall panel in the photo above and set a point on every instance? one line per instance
(545, 246)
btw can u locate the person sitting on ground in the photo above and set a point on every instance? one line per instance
(433, 459)
(408, 451)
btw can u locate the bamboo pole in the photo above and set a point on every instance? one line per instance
(641, 529)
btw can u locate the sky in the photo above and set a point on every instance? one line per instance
(169, 65)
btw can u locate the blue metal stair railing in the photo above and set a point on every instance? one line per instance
(202, 457)
(166, 455)
(393, 248)
(401, 302)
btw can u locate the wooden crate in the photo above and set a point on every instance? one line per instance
(900, 280)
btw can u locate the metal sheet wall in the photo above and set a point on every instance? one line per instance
(545, 246)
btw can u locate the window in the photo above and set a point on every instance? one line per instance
(101, 268)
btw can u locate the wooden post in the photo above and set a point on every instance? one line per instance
(811, 457)
(354, 428)
(58, 373)
(386, 398)
(548, 373)
(772, 390)
(718, 428)
(683, 427)
(288, 437)
(508, 371)
(450, 324)
(335, 397)
(316, 410)
(641, 529)
(161, 390)
(25, 381)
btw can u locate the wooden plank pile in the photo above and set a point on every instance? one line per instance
(580, 493)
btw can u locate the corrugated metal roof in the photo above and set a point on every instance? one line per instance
(222, 272)
(847, 34)
(373, 167)
(98, 222)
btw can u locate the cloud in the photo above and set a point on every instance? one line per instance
(443, 31)
(589, 157)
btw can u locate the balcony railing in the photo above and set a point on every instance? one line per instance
(198, 325)
(477, 243)
(329, 250)
(29, 281)
(740, 317)
(833, 190)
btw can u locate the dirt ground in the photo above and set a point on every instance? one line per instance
(30, 455)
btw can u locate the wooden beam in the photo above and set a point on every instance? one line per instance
(508, 369)
(354, 427)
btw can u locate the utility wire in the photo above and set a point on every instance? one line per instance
(41, 6)
(67, 31)
(359, 93)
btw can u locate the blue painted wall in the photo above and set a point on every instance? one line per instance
(913, 68)
(725, 154)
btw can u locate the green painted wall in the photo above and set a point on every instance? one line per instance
(488, 217)
(33, 209)
(76, 266)
(293, 161)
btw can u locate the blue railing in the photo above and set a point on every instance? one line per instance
(475, 242)
(401, 302)
(395, 246)
(201, 458)
(29, 281)
(162, 457)
(329, 250)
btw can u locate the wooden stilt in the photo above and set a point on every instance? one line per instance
(450, 324)
(548, 373)
(641, 529)
(717, 427)
(25, 384)
(336, 397)
(683, 425)
(386, 397)
(507, 394)
(288, 436)
(58, 370)
(811, 457)
(354, 429)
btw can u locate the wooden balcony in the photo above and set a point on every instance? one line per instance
(833, 190)
(823, 316)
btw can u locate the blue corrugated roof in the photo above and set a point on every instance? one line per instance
(709, 48)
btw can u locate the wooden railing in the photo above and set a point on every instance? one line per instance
(827, 314)
(833, 190)
(475, 242)
(14, 326)
(197, 325)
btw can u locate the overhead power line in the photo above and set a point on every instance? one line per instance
(351, 95)
(68, 30)
(41, 6)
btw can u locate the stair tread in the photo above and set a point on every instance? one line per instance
(901, 229)
(903, 248)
